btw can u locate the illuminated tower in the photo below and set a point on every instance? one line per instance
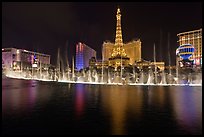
(118, 55)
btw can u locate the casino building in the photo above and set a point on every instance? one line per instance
(119, 52)
(132, 48)
(83, 54)
(21, 60)
(194, 38)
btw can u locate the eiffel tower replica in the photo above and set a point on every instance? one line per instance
(118, 56)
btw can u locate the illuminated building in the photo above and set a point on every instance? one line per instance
(118, 55)
(93, 63)
(130, 51)
(133, 50)
(83, 54)
(107, 50)
(146, 64)
(20, 59)
(195, 39)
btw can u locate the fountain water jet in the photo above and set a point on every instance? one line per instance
(108, 75)
(150, 78)
(73, 75)
(155, 67)
(58, 65)
(163, 78)
(169, 54)
(67, 62)
(141, 80)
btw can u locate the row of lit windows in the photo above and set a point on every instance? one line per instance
(191, 38)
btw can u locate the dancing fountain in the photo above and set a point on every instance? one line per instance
(108, 76)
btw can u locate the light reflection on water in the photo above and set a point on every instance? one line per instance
(119, 102)
(79, 101)
(187, 108)
(18, 97)
(99, 109)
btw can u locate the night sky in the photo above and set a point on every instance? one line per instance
(45, 27)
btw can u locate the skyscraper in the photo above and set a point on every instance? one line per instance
(83, 54)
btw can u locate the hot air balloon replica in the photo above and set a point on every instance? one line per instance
(185, 51)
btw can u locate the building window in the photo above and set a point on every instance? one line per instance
(14, 56)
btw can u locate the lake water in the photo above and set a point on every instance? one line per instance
(37, 108)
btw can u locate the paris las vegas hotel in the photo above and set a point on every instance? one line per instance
(132, 49)
(114, 53)
(130, 52)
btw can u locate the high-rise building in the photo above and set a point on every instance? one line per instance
(195, 39)
(83, 54)
(130, 52)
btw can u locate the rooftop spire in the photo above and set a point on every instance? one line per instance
(118, 37)
(118, 47)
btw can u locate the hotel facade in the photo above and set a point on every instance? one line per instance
(20, 59)
(83, 54)
(119, 53)
(195, 39)
(132, 49)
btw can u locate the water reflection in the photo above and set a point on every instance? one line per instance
(18, 97)
(21, 97)
(187, 108)
(120, 101)
(79, 100)
(126, 104)
(156, 96)
(100, 109)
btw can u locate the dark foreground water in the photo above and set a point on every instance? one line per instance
(33, 107)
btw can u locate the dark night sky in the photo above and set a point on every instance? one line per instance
(44, 27)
